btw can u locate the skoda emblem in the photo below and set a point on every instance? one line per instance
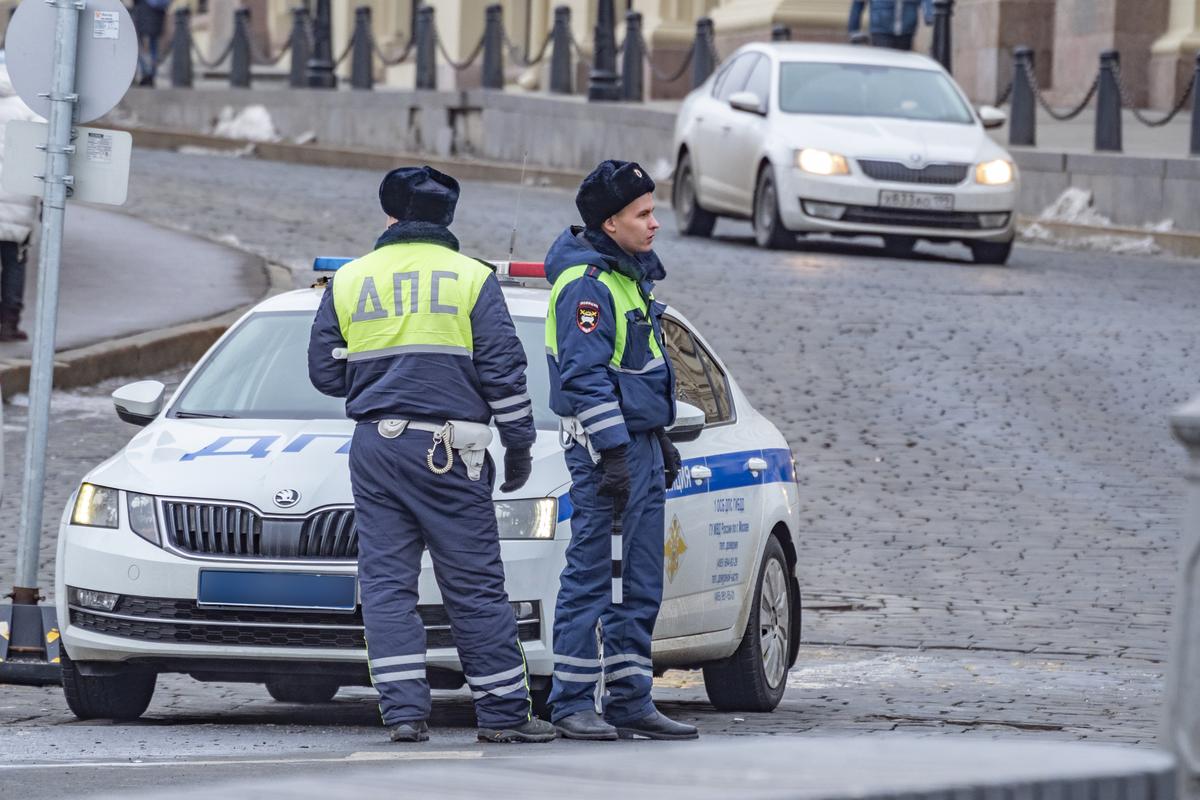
(286, 498)
(915, 158)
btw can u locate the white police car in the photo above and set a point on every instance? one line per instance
(220, 541)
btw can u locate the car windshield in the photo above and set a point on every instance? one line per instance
(261, 372)
(867, 90)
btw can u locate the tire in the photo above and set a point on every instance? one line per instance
(746, 681)
(302, 690)
(124, 696)
(769, 231)
(991, 252)
(691, 218)
(899, 246)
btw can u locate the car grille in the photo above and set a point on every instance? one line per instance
(232, 530)
(872, 215)
(940, 174)
(158, 619)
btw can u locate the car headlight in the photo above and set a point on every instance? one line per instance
(527, 519)
(141, 516)
(95, 506)
(821, 162)
(994, 173)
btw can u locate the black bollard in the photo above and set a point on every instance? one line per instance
(298, 75)
(426, 49)
(320, 65)
(560, 56)
(1022, 127)
(943, 15)
(631, 63)
(1196, 108)
(1108, 104)
(603, 83)
(702, 57)
(239, 70)
(493, 47)
(781, 33)
(361, 76)
(181, 50)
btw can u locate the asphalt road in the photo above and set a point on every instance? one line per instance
(991, 496)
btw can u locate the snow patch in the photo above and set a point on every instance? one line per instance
(252, 123)
(1074, 207)
(236, 152)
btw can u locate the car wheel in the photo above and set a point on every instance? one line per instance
(769, 231)
(755, 676)
(294, 690)
(990, 252)
(691, 218)
(122, 696)
(899, 246)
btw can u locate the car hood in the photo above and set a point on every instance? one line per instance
(249, 461)
(888, 138)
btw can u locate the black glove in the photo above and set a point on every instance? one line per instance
(614, 476)
(518, 466)
(672, 461)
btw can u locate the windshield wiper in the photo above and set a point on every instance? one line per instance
(202, 415)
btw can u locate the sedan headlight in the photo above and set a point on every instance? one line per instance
(994, 173)
(95, 506)
(141, 516)
(821, 162)
(527, 519)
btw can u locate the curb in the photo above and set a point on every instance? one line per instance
(354, 158)
(1176, 243)
(140, 353)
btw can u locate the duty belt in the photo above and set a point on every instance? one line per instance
(571, 432)
(469, 439)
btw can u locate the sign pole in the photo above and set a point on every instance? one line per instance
(58, 148)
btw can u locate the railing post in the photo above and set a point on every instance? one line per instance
(426, 49)
(493, 47)
(631, 65)
(361, 76)
(1181, 721)
(702, 57)
(1195, 150)
(560, 57)
(181, 50)
(1022, 127)
(781, 33)
(1108, 104)
(943, 15)
(298, 76)
(239, 70)
(603, 81)
(320, 66)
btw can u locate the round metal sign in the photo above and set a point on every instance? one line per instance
(105, 60)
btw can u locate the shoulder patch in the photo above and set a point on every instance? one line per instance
(587, 316)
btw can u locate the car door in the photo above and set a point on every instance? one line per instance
(709, 141)
(689, 556)
(744, 136)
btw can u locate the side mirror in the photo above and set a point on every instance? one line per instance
(992, 117)
(139, 403)
(747, 101)
(689, 422)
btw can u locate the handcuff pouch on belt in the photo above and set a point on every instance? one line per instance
(469, 439)
(571, 432)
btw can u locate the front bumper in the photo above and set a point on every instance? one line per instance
(860, 195)
(158, 622)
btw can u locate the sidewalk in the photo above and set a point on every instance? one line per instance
(121, 276)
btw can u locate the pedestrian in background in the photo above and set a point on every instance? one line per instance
(149, 19)
(18, 216)
(893, 22)
(613, 385)
(417, 337)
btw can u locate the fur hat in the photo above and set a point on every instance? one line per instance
(419, 193)
(611, 186)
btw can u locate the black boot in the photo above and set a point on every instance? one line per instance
(10, 321)
(657, 726)
(586, 725)
(409, 731)
(531, 730)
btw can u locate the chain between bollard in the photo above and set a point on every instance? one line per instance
(665, 77)
(260, 58)
(1004, 95)
(391, 62)
(587, 62)
(1059, 115)
(1141, 117)
(345, 53)
(216, 62)
(458, 66)
(514, 51)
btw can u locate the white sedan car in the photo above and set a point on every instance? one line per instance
(846, 140)
(220, 541)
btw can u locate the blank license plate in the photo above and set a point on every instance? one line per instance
(292, 590)
(920, 201)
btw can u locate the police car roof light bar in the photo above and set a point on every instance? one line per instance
(526, 269)
(329, 263)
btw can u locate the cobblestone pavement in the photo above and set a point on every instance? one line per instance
(991, 496)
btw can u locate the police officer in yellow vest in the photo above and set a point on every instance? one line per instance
(418, 339)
